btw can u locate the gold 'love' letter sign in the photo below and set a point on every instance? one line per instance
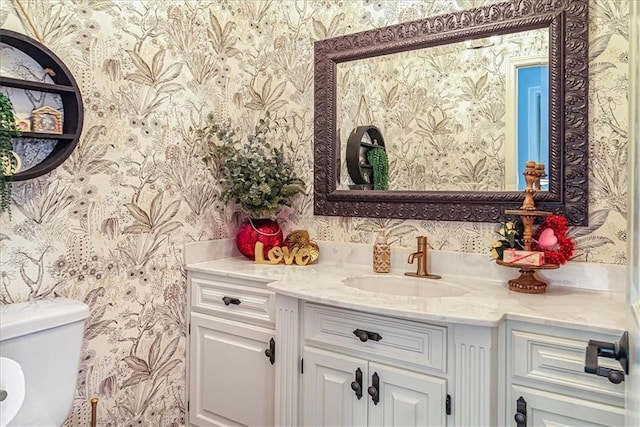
(278, 254)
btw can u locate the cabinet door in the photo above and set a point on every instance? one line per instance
(328, 399)
(231, 380)
(551, 409)
(407, 398)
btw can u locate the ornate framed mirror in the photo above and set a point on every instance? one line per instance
(433, 89)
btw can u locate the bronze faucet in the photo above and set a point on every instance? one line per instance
(421, 256)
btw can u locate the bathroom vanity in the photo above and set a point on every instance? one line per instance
(334, 344)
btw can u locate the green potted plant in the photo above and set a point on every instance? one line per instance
(377, 158)
(9, 161)
(254, 174)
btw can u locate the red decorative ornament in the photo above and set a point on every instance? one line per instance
(563, 250)
(263, 230)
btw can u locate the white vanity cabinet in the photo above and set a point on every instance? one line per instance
(231, 379)
(546, 379)
(427, 361)
(369, 370)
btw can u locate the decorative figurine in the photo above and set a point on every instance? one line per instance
(47, 120)
(11, 163)
(277, 254)
(547, 239)
(23, 125)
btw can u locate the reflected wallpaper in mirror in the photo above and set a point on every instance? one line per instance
(443, 111)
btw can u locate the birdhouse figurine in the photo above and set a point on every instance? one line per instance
(46, 120)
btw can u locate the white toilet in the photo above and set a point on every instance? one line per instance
(42, 339)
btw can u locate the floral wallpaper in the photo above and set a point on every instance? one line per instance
(108, 226)
(442, 111)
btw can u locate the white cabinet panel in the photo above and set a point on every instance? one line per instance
(407, 398)
(327, 395)
(417, 345)
(229, 374)
(552, 409)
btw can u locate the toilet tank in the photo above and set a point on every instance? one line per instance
(45, 338)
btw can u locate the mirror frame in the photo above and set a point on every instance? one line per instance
(567, 21)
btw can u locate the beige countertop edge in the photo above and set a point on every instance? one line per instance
(603, 312)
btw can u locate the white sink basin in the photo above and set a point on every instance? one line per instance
(405, 286)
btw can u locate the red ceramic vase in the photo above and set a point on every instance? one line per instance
(263, 230)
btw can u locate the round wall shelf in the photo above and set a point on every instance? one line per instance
(361, 140)
(60, 82)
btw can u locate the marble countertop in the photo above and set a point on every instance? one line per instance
(483, 302)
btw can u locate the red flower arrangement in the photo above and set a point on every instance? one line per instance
(562, 251)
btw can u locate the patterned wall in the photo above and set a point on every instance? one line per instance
(108, 226)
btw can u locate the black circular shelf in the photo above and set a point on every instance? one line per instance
(63, 84)
(359, 170)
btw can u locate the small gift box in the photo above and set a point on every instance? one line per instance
(514, 256)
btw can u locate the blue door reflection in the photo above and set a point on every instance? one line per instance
(533, 118)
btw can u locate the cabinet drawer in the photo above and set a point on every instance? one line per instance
(558, 361)
(255, 303)
(405, 342)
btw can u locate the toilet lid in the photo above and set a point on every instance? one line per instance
(32, 316)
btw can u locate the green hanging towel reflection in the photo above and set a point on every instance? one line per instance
(377, 158)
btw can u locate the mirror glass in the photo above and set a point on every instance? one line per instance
(463, 116)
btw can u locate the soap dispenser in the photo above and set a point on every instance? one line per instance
(381, 253)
